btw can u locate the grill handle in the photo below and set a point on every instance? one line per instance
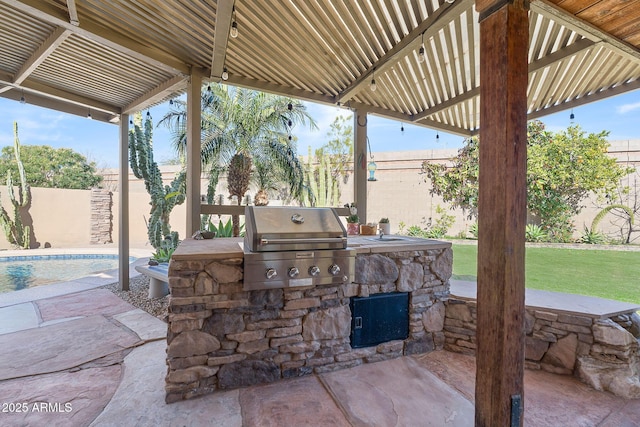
(297, 241)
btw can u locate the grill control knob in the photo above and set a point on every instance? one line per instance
(271, 273)
(334, 269)
(314, 271)
(293, 272)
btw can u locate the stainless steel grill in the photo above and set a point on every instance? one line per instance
(290, 247)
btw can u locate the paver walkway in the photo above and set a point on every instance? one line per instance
(90, 359)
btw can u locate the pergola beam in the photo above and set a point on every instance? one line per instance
(224, 15)
(448, 104)
(329, 100)
(559, 55)
(36, 97)
(73, 12)
(597, 96)
(52, 42)
(430, 26)
(576, 24)
(157, 94)
(46, 91)
(53, 15)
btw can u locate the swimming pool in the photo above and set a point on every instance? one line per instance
(22, 272)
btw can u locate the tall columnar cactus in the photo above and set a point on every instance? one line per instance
(163, 197)
(16, 232)
(324, 187)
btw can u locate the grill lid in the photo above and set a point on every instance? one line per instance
(269, 228)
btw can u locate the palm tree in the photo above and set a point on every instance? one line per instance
(244, 131)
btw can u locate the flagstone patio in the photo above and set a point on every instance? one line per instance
(90, 359)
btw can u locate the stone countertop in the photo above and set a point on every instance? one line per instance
(225, 248)
(393, 243)
(208, 249)
(599, 308)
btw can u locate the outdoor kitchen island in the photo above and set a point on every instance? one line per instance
(223, 337)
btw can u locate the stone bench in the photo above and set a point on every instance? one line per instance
(159, 278)
(594, 339)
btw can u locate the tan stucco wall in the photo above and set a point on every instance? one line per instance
(62, 217)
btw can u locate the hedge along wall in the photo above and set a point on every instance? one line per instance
(63, 218)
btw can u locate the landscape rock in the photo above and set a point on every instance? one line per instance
(443, 265)
(223, 273)
(433, 318)
(411, 277)
(535, 349)
(562, 353)
(192, 343)
(609, 332)
(327, 324)
(375, 268)
(246, 373)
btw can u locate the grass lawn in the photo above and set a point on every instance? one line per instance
(605, 274)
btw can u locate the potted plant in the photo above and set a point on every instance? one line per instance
(384, 226)
(353, 221)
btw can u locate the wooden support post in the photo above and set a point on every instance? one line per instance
(360, 162)
(504, 37)
(194, 168)
(123, 201)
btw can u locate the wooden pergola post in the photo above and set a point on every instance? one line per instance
(360, 162)
(504, 37)
(123, 201)
(194, 168)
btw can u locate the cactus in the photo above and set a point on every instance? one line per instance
(324, 187)
(16, 232)
(163, 197)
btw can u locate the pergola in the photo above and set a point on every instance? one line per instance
(460, 66)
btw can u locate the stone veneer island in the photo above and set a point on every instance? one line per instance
(222, 337)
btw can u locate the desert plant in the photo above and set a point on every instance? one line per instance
(167, 246)
(16, 232)
(224, 229)
(322, 186)
(163, 197)
(534, 233)
(440, 227)
(591, 236)
(384, 220)
(416, 231)
(473, 230)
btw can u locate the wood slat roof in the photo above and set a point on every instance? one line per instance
(120, 56)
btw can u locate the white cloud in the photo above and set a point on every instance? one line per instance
(625, 108)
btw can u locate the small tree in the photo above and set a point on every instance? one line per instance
(17, 233)
(562, 169)
(49, 167)
(163, 197)
(621, 211)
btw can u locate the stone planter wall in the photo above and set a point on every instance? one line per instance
(221, 337)
(603, 353)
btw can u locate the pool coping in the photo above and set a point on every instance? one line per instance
(91, 281)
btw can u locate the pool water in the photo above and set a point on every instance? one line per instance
(22, 272)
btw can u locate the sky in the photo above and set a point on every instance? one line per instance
(98, 141)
